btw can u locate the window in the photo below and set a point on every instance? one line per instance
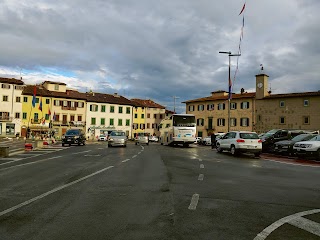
(200, 122)
(244, 122)
(127, 122)
(305, 103)
(148, 115)
(191, 108)
(93, 108)
(65, 103)
(221, 106)
(102, 121)
(210, 107)
(119, 122)
(93, 121)
(112, 109)
(111, 122)
(80, 104)
(135, 115)
(233, 105)
(103, 108)
(56, 102)
(221, 122)
(24, 115)
(244, 105)
(6, 86)
(142, 126)
(155, 116)
(210, 123)
(36, 116)
(142, 116)
(72, 104)
(259, 118)
(18, 99)
(18, 87)
(120, 109)
(5, 98)
(200, 107)
(37, 100)
(79, 118)
(47, 117)
(282, 104)
(233, 122)
(9, 129)
(200, 134)
(128, 110)
(56, 87)
(306, 120)
(17, 115)
(148, 125)
(72, 118)
(47, 101)
(25, 99)
(282, 120)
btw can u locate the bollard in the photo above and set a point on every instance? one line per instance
(28, 146)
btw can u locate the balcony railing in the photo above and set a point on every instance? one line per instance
(5, 118)
(68, 108)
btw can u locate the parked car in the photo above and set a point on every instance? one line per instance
(308, 148)
(276, 135)
(286, 146)
(240, 142)
(153, 139)
(142, 138)
(117, 138)
(198, 140)
(103, 137)
(74, 136)
(206, 141)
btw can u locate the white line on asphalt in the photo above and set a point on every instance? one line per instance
(9, 159)
(306, 224)
(92, 155)
(201, 176)
(194, 202)
(82, 152)
(52, 191)
(295, 164)
(201, 166)
(139, 152)
(101, 148)
(134, 156)
(200, 160)
(24, 164)
(20, 159)
(125, 160)
(268, 230)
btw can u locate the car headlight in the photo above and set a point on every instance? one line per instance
(63, 137)
(110, 139)
(76, 137)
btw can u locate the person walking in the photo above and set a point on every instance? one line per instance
(213, 140)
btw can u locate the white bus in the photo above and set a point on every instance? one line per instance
(178, 129)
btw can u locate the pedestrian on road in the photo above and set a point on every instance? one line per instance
(213, 140)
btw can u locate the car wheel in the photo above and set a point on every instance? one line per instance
(62, 144)
(69, 144)
(219, 150)
(257, 154)
(233, 150)
(84, 143)
(136, 143)
(124, 145)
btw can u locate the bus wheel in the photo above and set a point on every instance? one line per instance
(186, 145)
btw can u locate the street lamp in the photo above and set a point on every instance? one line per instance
(174, 103)
(229, 84)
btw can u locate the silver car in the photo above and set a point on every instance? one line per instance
(117, 138)
(142, 138)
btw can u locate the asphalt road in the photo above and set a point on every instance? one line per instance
(155, 192)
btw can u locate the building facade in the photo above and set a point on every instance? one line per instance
(10, 107)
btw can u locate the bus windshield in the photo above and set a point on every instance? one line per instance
(184, 121)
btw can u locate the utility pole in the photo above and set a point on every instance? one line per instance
(229, 84)
(174, 103)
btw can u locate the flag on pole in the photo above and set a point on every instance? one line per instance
(34, 96)
(244, 6)
(49, 112)
(40, 105)
(54, 116)
(43, 121)
(230, 89)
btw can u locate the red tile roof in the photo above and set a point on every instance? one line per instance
(51, 82)
(290, 95)
(11, 81)
(146, 103)
(108, 98)
(213, 98)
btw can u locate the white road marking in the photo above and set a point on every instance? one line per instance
(306, 224)
(194, 202)
(200, 160)
(295, 164)
(139, 152)
(134, 156)
(82, 152)
(101, 148)
(125, 160)
(201, 176)
(92, 155)
(9, 159)
(201, 166)
(24, 164)
(289, 219)
(52, 191)
(20, 159)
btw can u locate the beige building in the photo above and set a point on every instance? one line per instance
(258, 111)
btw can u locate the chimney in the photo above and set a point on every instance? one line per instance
(242, 90)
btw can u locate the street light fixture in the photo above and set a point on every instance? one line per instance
(229, 84)
(174, 103)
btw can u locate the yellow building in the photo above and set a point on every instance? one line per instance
(138, 118)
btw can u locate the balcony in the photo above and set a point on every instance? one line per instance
(35, 121)
(68, 108)
(5, 119)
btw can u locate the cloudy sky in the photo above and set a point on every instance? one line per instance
(159, 49)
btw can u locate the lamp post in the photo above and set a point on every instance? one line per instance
(229, 83)
(174, 103)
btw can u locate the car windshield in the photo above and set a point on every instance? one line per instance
(72, 132)
(302, 137)
(117, 134)
(271, 132)
(249, 136)
(184, 121)
(316, 138)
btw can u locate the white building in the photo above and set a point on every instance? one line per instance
(10, 106)
(107, 112)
